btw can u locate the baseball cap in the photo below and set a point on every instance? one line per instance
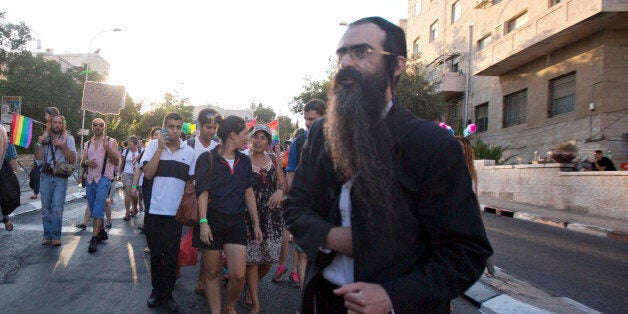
(263, 128)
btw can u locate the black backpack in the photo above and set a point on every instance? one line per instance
(9, 189)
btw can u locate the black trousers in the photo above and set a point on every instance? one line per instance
(163, 235)
(320, 298)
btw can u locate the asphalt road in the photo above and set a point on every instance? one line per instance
(116, 279)
(588, 269)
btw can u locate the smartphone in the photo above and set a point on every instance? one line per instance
(164, 134)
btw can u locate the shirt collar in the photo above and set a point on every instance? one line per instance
(387, 108)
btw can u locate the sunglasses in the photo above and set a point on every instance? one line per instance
(98, 125)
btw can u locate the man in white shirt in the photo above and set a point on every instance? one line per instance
(169, 162)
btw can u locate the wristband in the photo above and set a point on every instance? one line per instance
(133, 187)
(203, 220)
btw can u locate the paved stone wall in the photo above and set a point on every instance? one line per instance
(596, 193)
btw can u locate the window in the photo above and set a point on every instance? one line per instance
(456, 12)
(554, 2)
(481, 117)
(562, 93)
(416, 46)
(515, 108)
(516, 22)
(434, 31)
(454, 110)
(417, 8)
(484, 42)
(454, 64)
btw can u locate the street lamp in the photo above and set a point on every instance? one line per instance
(87, 76)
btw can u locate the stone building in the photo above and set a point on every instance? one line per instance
(69, 60)
(529, 74)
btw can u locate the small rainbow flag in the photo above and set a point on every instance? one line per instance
(274, 130)
(21, 130)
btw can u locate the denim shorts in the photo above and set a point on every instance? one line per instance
(97, 195)
(226, 229)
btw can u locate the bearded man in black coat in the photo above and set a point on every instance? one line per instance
(382, 202)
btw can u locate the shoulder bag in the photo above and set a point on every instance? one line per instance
(187, 214)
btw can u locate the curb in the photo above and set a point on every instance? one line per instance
(26, 208)
(502, 293)
(620, 235)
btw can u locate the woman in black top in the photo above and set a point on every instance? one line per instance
(224, 180)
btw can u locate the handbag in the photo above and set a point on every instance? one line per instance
(9, 189)
(187, 213)
(34, 176)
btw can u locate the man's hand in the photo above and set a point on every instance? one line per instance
(361, 297)
(340, 239)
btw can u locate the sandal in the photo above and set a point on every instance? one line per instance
(126, 218)
(7, 224)
(34, 197)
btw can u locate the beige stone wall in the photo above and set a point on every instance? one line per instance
(597, 193)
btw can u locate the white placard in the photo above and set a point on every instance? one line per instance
(103, 98)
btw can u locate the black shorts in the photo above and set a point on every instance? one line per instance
(226, 229)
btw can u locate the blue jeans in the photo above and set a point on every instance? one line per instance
(97, 196)
(53, 190)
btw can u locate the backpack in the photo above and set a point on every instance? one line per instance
(9, 189)
(191, 142)
(300, 140)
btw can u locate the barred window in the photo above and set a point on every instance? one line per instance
(562, 91)
(481, 117)
(515, 108)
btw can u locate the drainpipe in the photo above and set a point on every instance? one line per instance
(468, 79)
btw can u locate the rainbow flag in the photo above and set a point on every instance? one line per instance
(274, 130)
(21, 130)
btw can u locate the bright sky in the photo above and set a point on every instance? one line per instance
(226, 53)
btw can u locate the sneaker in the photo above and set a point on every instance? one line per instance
(45, 241)
(92, 246)
(280, 273)
(108, 226)
(294, 280)
(102, 236)
(81, 226)
(56, 242)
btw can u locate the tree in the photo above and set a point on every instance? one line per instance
(286, 127)
(413, 90)
(155, 117)
(417, 94)
(263, 114)
(41, 83)
(311, 90)
(13, 38)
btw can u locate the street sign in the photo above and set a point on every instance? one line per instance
(84, 132)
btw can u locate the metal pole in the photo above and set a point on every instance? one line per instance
(468, 79)
(89, 49)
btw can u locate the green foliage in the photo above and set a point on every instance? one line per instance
(155, 117)
(311, 90)
(286, 127)
(263, 114)
(413, 91)
(567, 146)
(482, 150)
(13, 38)
(417, 94)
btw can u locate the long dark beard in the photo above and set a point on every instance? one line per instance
(361, 145)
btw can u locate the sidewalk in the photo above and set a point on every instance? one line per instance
(502, 293)
(595, 225)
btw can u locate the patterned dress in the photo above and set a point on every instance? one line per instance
(270, 220)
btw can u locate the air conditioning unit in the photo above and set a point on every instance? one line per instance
(481, 4)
